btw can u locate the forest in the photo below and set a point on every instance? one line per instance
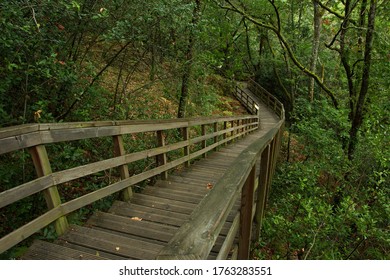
(328, 61)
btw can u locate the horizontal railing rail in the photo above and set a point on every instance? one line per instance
(267, 98)
(198, 235)
(247, 100)
(198, 137)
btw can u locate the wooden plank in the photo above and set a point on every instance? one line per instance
(163, 203)
(111, 243)
(228, 243)
(91, 251)
(42, 250)
(19, 142)
(148, 214)
(17, 193)
(119, 150)
(195, 188)
(199, 181)
(262, 190)
(145, 229)
(186, 196)
(186, 137)
(52, 197)
(246, 215)
(162, 158)
(12, 131)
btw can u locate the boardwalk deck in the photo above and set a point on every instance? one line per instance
(140, 228)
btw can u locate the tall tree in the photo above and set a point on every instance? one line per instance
(318, 14)
(360, 105)
(189, 56)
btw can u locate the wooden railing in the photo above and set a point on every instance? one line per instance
(195, 238)
(267, 98)
(249, 103)
(198, 137)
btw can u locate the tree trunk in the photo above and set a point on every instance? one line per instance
(188, 64)
(318, 13)
(358, 115)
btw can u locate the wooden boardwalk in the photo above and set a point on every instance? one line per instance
(141, 227)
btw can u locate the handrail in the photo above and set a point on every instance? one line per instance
(267, 98)
(249, 103)
(34, 137)
(197, 236)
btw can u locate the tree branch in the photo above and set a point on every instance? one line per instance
(290, 52)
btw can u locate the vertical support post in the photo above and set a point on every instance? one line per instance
(225, 134)
(161, 158)
(262, 189)
(232, 132)
(246, 215)
(271, 164)
(215, 137)
(119, 150)
(204, 142)
(186, 136)
(52, 197)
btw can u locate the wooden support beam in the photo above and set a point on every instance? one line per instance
(232, 133)
(216, 137)
(52, 197)
(119, 150)
(225, 134)
(246, 215)
(204, 143)
(262, 190)
(162, 158)
(186, 136)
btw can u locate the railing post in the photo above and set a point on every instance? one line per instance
(186, 136)
(232, 132)
(52, 197)
(215, 137)
(119, 150)
(246, 215)
(162, 158)
(262, 189)
(204, 142)
(225, 134)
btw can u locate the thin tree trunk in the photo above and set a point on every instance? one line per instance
(361, 101)
(188, 64)
(318, 13)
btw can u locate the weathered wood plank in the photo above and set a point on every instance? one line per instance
(111, 243)
(178, 186)
(119, 150)
(52, 197)
(91, 251)
(148, 214)
(167, 204)
(42, 250)
(246, 215)
(145, 229)
(186, 196)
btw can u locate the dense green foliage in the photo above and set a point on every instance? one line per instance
(82, 60)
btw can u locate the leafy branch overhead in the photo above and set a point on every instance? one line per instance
(232, 6)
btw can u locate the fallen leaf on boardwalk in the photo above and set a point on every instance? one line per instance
(117, 248)
(209, 186)
(136, 219)
(97, 254)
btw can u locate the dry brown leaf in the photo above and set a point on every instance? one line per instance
(209, 186)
